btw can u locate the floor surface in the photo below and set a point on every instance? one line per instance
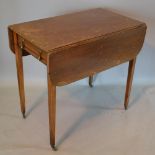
(90, 121)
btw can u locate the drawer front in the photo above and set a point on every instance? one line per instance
(32, 50)
(77, 62)
(11, 42)
(28, 48)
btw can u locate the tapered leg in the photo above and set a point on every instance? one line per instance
(91, 81)
(20, 75)
(129, 82)
(52, 111)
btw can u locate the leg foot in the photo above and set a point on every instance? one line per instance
(54, 148)
(125, 107)
(129, 82)
(91, 81)
(24, 116)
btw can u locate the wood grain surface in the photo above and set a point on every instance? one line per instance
(74, 63)
(67, 30)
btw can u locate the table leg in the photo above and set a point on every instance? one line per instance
(20, 75)
(129, 82)
(52, 111)
(91, 81)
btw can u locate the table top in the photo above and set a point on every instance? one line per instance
(72, 29)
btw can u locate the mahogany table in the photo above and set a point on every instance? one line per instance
(75, 46)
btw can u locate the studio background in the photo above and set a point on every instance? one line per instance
(89, 121)
(16, 11)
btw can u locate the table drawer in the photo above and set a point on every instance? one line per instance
(75, 62)
(28, 47)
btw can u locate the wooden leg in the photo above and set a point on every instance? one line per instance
(52, 111)
(20, 75)
(129, 81)
(91, 81)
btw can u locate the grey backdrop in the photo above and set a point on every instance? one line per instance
(15, 11)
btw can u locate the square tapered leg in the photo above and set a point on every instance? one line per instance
(20, 74)
(129, 82)
(52, 110)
